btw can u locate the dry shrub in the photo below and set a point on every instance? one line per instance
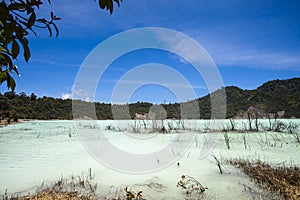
(191, 186)
(284, 181)
(52, 194)
(75, 188)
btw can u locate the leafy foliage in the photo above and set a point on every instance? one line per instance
(108, 4)
(18, 19)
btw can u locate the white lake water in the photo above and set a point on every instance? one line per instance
(37, 151)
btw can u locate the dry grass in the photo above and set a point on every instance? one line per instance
(75, 188)
(52, 194)
(284, 181)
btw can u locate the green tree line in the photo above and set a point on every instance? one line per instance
(272, 96)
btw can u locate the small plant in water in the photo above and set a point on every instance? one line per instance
(227, 141)
(131, 195)
(218, 164)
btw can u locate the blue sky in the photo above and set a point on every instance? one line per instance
(251, 42)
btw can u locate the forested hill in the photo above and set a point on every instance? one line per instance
(271, 97)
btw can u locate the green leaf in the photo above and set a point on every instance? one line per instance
(102, 4)
(31, 20)
(26, 49)
(8, 29)
(14, 68)
(6, 60)
(3, 76)
(108, 4)
(20, 31)
(17, 6)
(3, 9)
(10, 82)
(15, 49)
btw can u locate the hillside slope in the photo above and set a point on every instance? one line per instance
(271, 97)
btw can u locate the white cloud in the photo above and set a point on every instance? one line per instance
(228, 51)
(184, 46)
(256, 58)
(76, 94)
(66, 96)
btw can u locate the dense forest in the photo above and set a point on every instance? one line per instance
(271, 97)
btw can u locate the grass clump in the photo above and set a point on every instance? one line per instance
(52, 194)
(284, 181)
(75, 188)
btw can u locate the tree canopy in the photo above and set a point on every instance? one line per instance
(271, 97)
(18, 19)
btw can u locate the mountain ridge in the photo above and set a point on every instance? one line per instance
(271, 97)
